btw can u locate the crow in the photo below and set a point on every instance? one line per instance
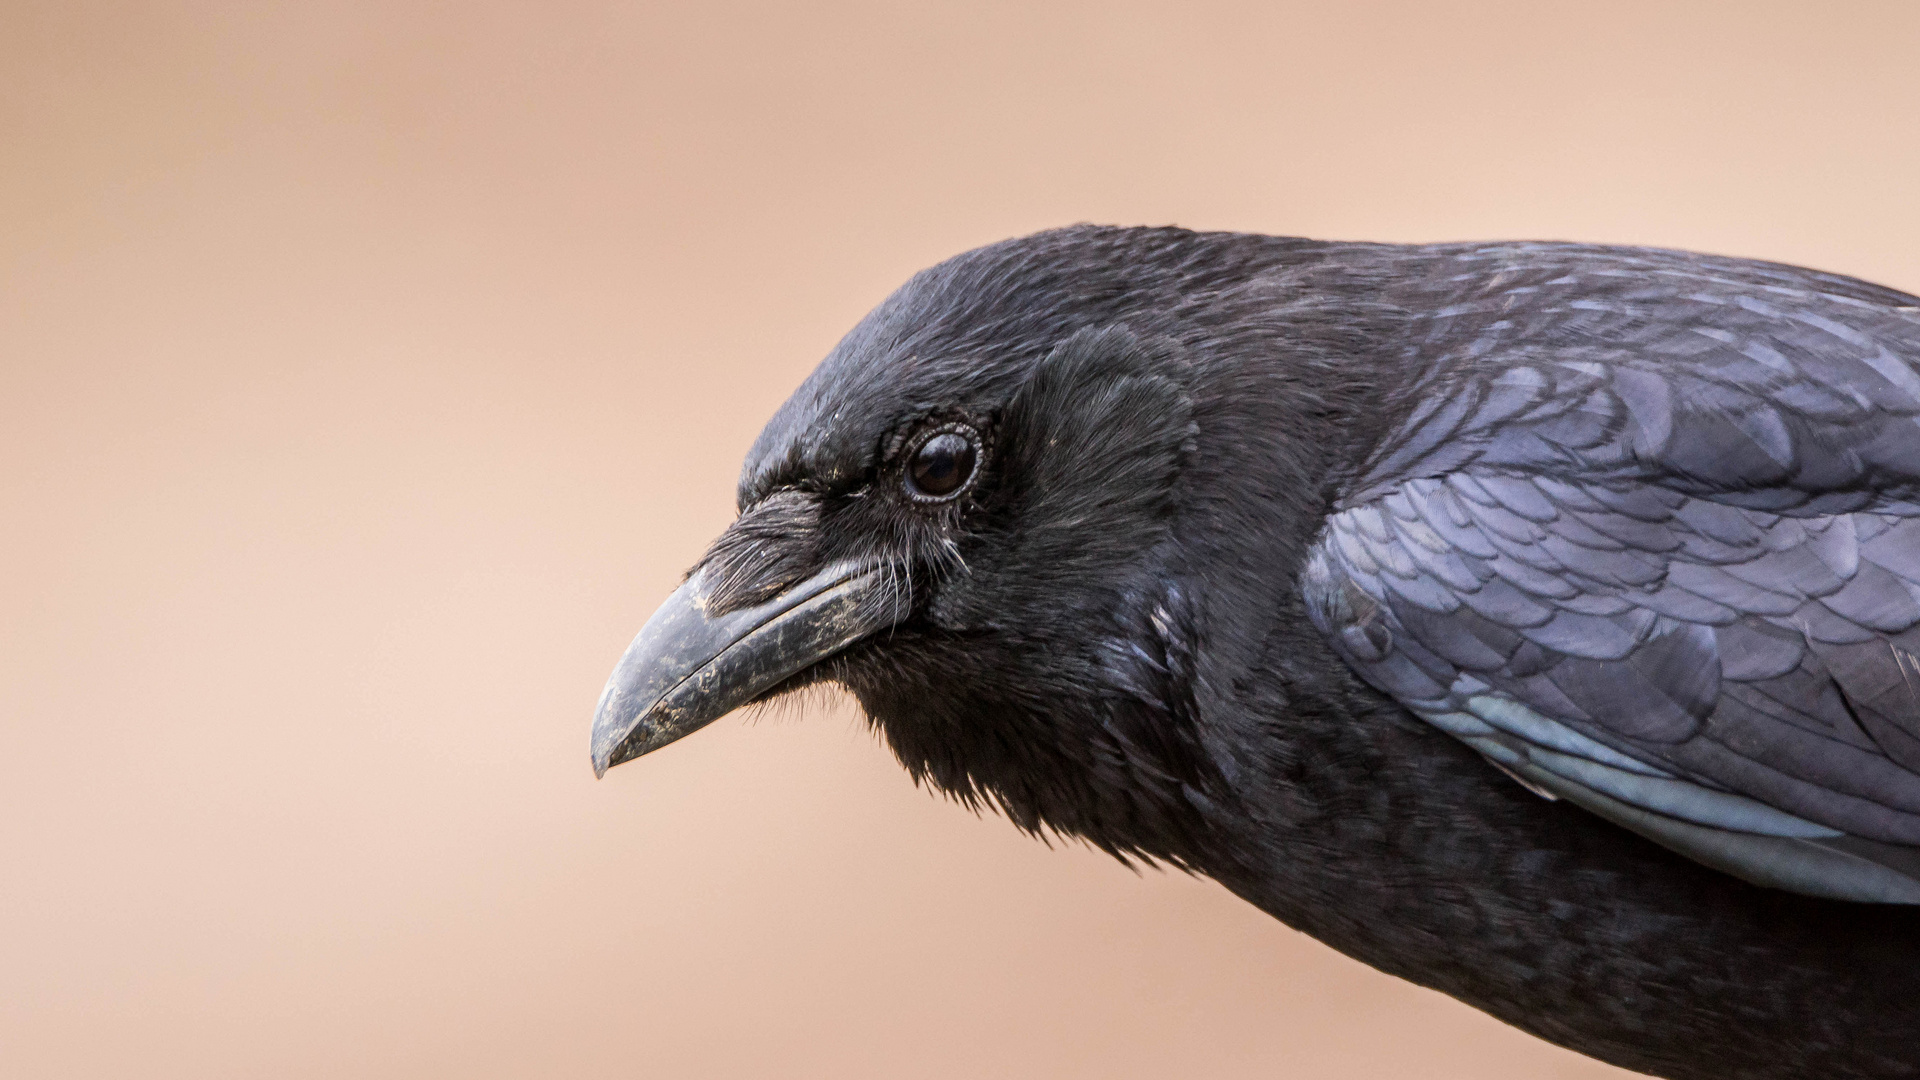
(1537, 622)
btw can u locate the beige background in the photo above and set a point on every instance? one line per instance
(369, 371)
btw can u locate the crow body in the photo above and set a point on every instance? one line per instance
(1536, 622)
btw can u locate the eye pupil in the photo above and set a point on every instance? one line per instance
(942, 465)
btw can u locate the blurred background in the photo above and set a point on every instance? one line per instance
(369, 371)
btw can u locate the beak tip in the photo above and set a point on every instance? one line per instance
(605, 744)
(605, 752)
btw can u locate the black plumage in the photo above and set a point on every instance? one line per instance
(1282, 561)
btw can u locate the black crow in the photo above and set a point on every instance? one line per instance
(1538, 622)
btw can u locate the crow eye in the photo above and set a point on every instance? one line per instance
(942, 465)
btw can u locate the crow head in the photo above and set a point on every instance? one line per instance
(1029, 513)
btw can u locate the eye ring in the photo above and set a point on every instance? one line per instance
(942, 464)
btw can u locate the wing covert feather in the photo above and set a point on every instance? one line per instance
(1648, 537)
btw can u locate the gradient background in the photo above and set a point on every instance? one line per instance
(368, 372)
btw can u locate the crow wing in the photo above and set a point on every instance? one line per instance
(1648, 538)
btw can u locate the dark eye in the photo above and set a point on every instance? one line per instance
(942, 465)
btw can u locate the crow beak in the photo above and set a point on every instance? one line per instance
(688, 668)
